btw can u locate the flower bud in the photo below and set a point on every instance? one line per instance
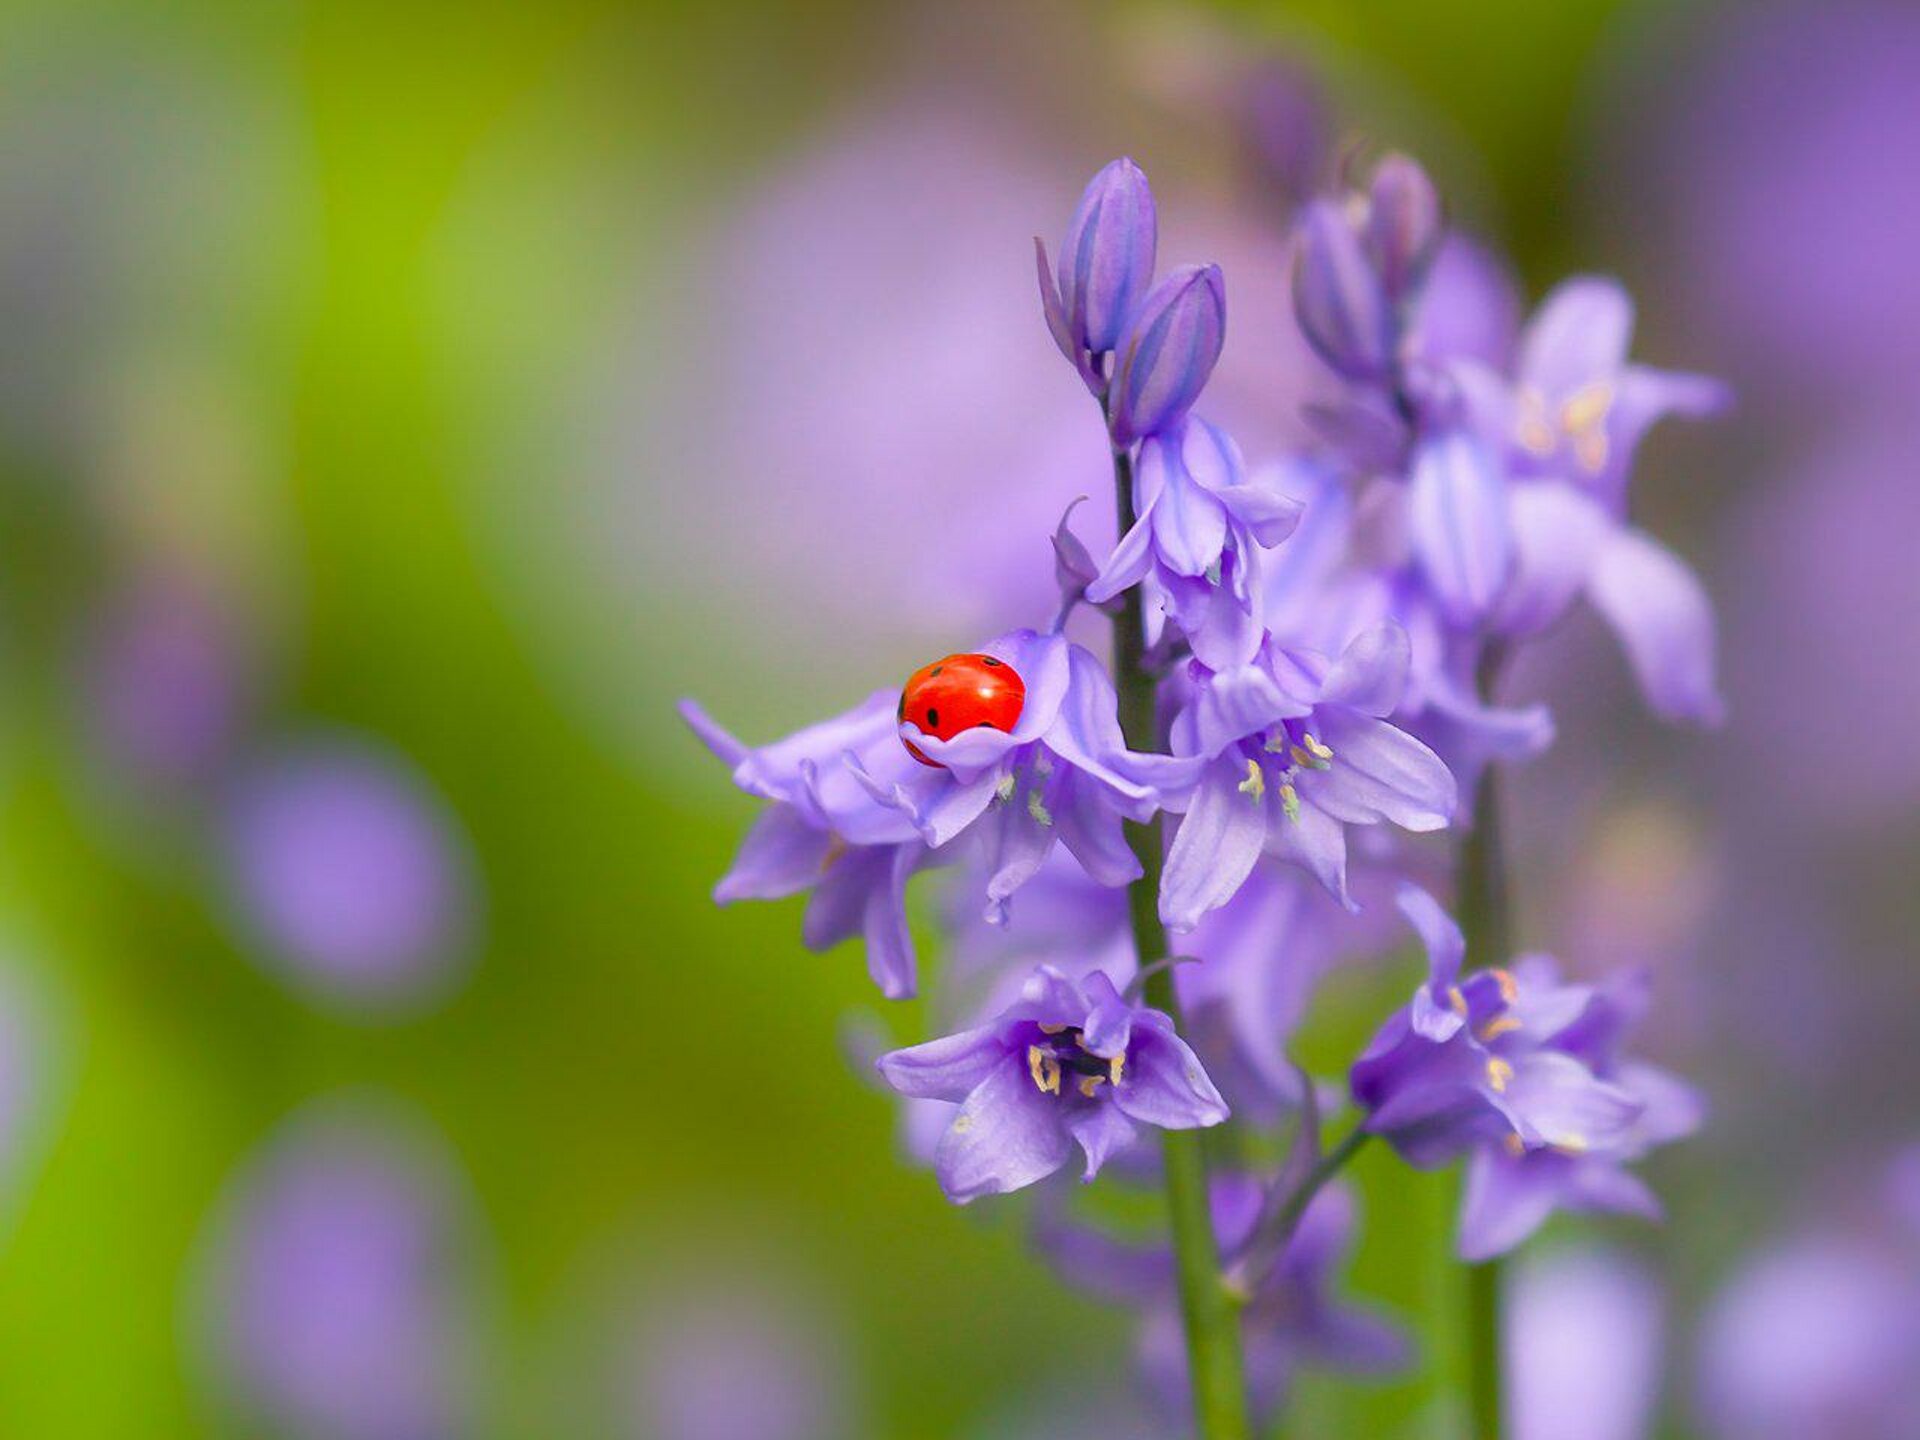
(1342, 308)
(1106, 263)
(1403, 226)
(1168, 353)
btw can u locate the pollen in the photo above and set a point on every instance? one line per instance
(1456, 1001)
(1255, 784)
(1499, 1073)
(1509, 992)
(1044, 1069)
(1115, 1066)
(1290, 802)
(1515, 1145)
(1037, 808)
(1533, 429)
(1091, 1083)
(1571, 1144)
(1498, 1026)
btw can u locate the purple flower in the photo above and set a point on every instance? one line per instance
(1295, 750)
(1524, 1076)
(1196, 542)
(337, 1300)
(1168, 353)
(348, 871)
(855, 815)
(1583, 1332)
(1106, 265)
(1068, 1063)
(1292, 1318)
(1816, 1339)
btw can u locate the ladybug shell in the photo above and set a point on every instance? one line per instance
(960, 693)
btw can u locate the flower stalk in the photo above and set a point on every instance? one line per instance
(1207, 1309)
(1486, 919)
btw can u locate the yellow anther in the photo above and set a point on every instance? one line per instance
(1533, 428)
(1499, 1072)
(836, 847)
(1590, 449)
(1053, 1029)
(1256, 783)
(1091, 1083)
(1509, 992)
(1498, 1026)
(1571, 1144)
(1290, 801)
(1456, 1001)
(1044, 1069)
(1586, 408)
(1115, 1066)
(1515, 1145)
(1318, 750)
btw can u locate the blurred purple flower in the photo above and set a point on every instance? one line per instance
(1523, 1075)
(1070, 1062)
(1293, 1317)
(348, 872)
(164, 683)
(1818, 1339)
(734, 1361)
(338, 1293)
(1583, 1336)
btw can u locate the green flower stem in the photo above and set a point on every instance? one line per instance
(1212, 1321)
(1486, 918)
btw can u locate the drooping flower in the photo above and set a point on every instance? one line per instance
(1295, 750)
(1524, 1076)
(1293, 1318)
(1195, 544)
(1069, 1063)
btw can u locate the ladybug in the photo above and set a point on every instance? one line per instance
(961, 692)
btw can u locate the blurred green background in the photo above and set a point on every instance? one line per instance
(327, 293)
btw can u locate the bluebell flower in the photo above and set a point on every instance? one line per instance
(1195, 544)
(1292, 1320)
(1294, 749)
(1106, 267)
(1168, 353)
(1069, 1063)
(1524, 1076)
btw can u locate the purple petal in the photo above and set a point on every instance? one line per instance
(721, 742)
(1189, 524)
(1440, 933)
(1557, 1101)
(1017, 844)
(1371, 673)
(1313, 840)
(1233, 705)
(1128, 564)
(1040, 659)
(890, 956)
(1092, 831)
(1579, 335)
(1106, 261)
(1378, 772)
(782, 855)
(1337, 297)
(1052, 306)
(1657, 607)
(1007, 1136)
(1165, 1085)
(1103, 1130)
(1457, 510)
(1508, 1197)
(949, 1068)
(1556, 532)
(1215, 847)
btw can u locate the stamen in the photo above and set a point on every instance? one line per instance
(1006, 787)
(1499, 1072)
(1054, 1029)
(1509, 991)
(1115, 1066)
(1256, 783)
(1456, 1001)
(1290, 802)
(1498, 1026)
(1572, 1144)
(1037, 808)
(1044, 1069)
(1532, 427)
(1515, 1145)
(1091, 1083)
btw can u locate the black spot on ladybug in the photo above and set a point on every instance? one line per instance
(933, 719)
(901, 713)
(984, 660)
(983, 725)
(935, 671)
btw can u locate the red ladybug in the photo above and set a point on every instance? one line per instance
(961, 692)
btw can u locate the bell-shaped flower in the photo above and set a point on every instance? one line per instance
(1201, 523)
(1069, 1063)
(1524, 1075)
(1294, 1318)
(1295, 748)
(1168, 353)
(1106, 267)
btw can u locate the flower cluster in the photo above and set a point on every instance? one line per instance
(1305, 651)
